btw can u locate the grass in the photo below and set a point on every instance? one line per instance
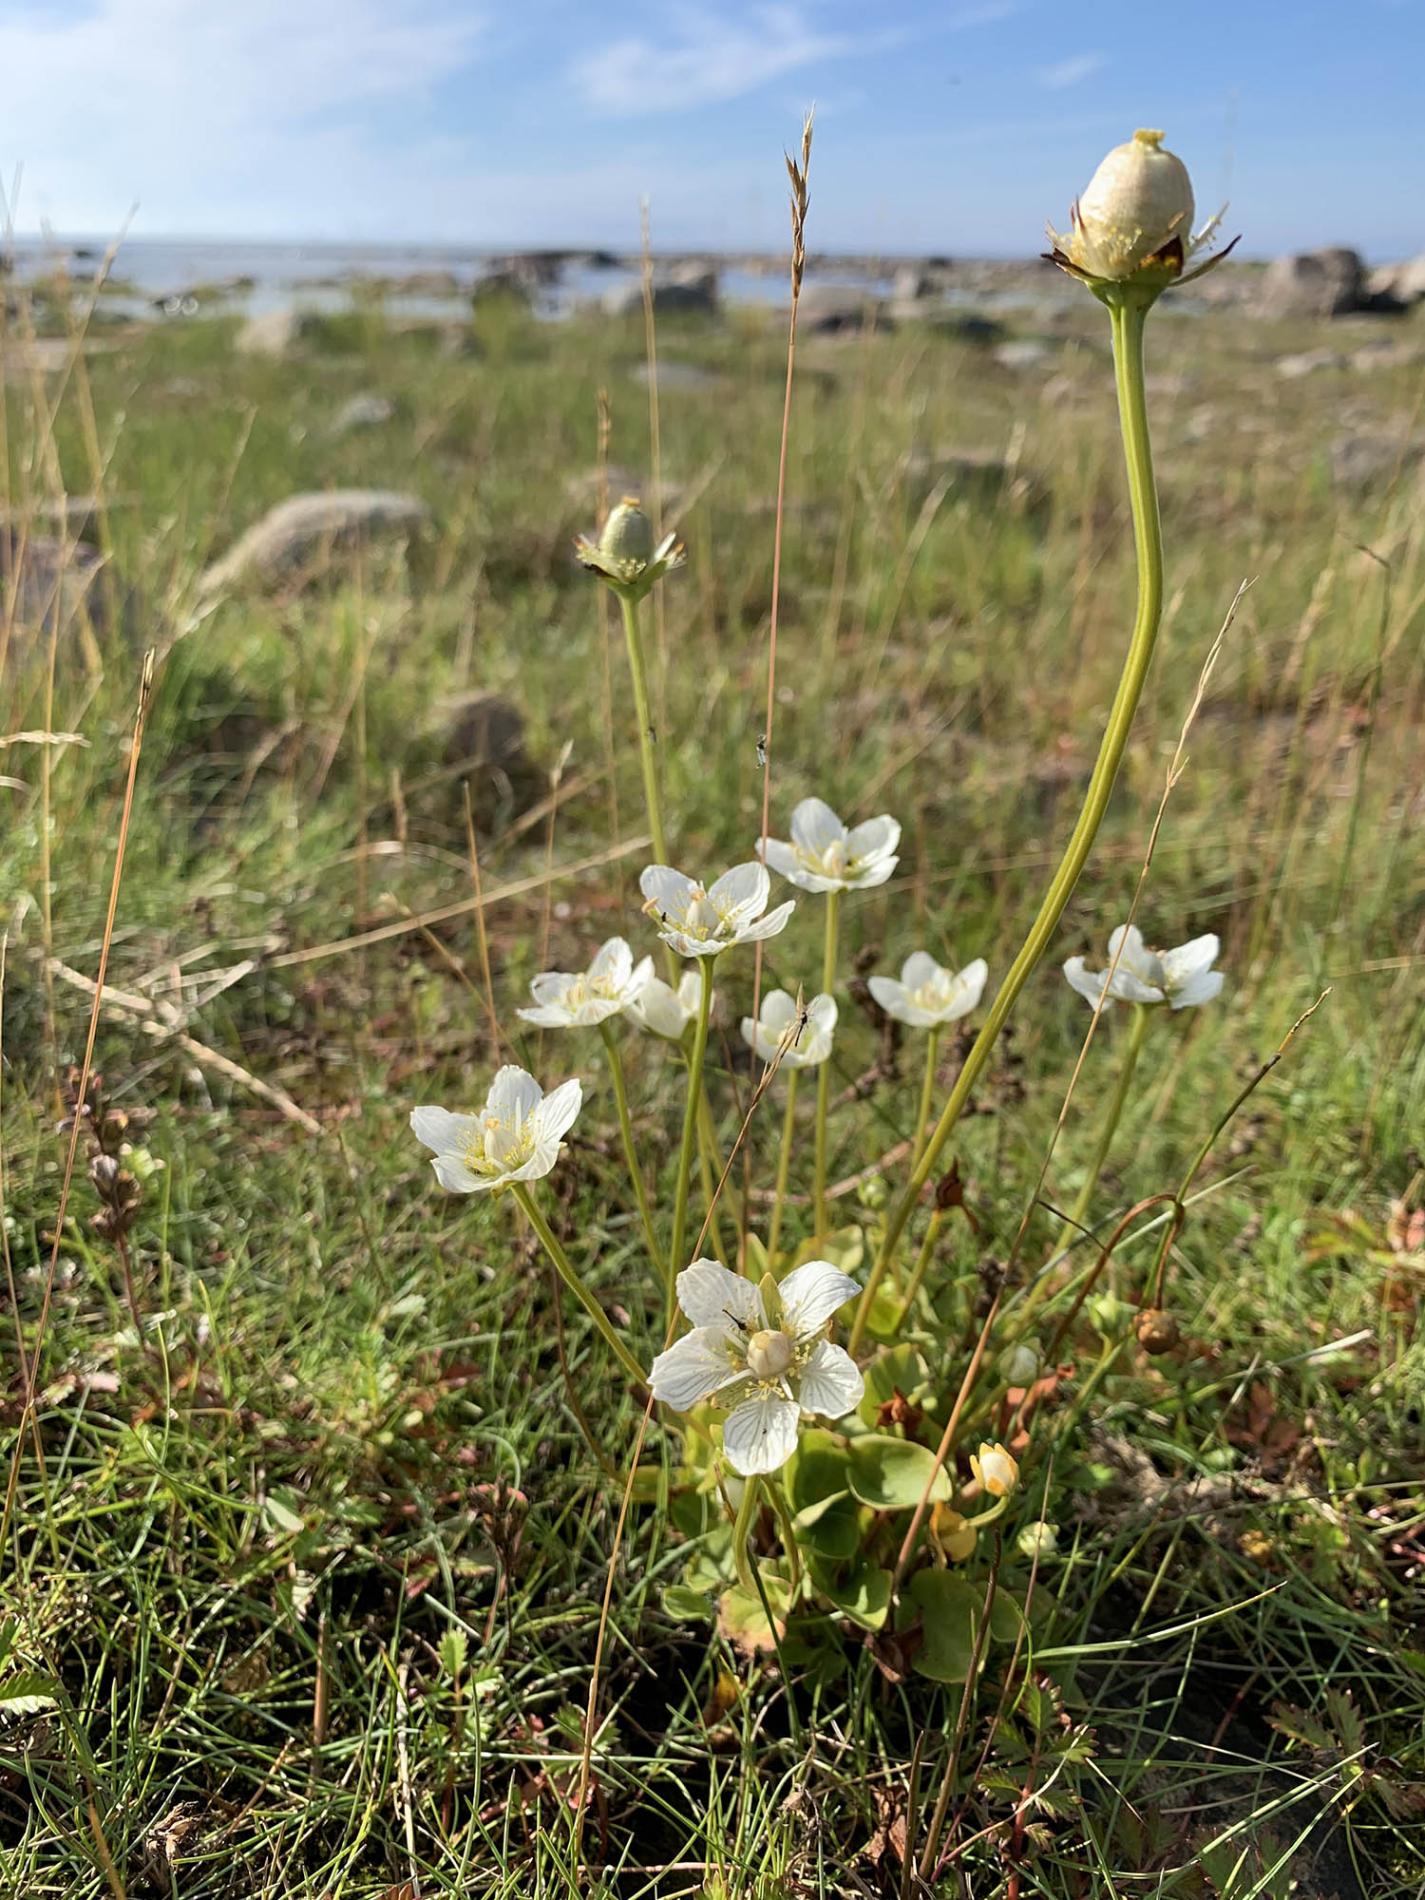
(311, 1577)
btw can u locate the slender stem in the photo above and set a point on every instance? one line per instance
(742, 1530)
(927, 1090)
(823, 1074)
(1127, 319)
(630, 1153)
(569, 1274)
(690, 1116)
(781, 1506)
(1074, 1223)
(784, 1162)
(923, 1258)
(647, 739)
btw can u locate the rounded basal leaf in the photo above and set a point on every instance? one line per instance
(742, 1619)
(833, 1528)
(819, 1472)
(687, 1605)
(891, 1474)
(949, 1615)
(1006, 1618)
(902, 1370)
(862, 1592)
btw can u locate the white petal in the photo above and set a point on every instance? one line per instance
(821, 1015)
(514, 1093)
(540, 1161)
(637, 980)
(1088, 983)
(1131, 987)
(546, 1016)
(1190, 959)
(874, 840)
(761, 1434)
(779, 857)
(769, 926)
(550, 986)
(456, 1178)
(1197, 989)
(1126, 945)
(810, 1295)
(442, 1131)
(742, 890)
(657, 1009)
(815, 826)
(690, 1370)
(556, 1113)
(687, 946)
(829, 1382)
(971, 986)
(919, 969)
(612, 964)
(667, 889)
(713, 1297)
(869, 877)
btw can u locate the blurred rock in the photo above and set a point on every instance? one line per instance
(304, 538)
(686, 290)
(479, 739)
(1362, 462)
(48, 581)
(1399, 284)
(1307, 362)
(831, 312)
(274, 332)
(1325, 283)
(912, 283)
(501, 285)
(368, 410)
(1022, 352)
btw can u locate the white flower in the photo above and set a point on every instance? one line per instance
(812, 1044)
(766, 1369)
(664, 1011)
(824, 855)
(612, 983)
(994, 1469)
(702, 921)
(1180, 978)
(927, 995)
(515, 1137)
(1135, 214)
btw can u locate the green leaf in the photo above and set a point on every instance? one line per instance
(891, 1474)
(1006, 1618)
(281, 1508)
(686, 1604)
(836, 1530)
(757, 1261)
(28, 1694)
(862, 1593)
(949, 1612)
(901, 1369)
(453, 1651)
(742, 1619)
(819, 1471)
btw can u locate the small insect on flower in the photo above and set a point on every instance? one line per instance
(826, 855)
(760, 1353)
(1181, 978)
(624, 554)
(515, 1137)
(1132, 224)
(611, 985)
(994, 1470)
(927, 996)
(703, 921)
(806, 1032)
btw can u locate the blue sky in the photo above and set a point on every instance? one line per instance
(955, 127)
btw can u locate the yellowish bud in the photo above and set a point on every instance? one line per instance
(995, 1470)
(1132, 225)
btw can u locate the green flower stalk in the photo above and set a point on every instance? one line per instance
(1142, 270)
(1137, 1031)
(626, 557)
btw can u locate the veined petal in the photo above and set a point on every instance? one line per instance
(1196, 989)
(970, 984)
(669, 890)
(779, 856)
(742, 890)
(1190, 959)
(539, 1162)
(769, 926)
(556, 1113)
(815, 826)
(821, 1016)
(778, 1011)
(810, 1295)
(1088, 983)
(612, 964)
(546, 1016)
(549, 986)
(1133, 955)
(919, 969)
(714, 1298)
(830, 1381)
(691, 1370)
(760, 1435)
(514, 1093)
(879, 871)
(446, 1133)
(637, 981)
(687, 946)
(456, 1178)
(874, 839)
(658, 1009)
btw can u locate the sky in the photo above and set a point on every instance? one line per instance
(950, 128)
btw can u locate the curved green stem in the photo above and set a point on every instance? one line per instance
(1127, 318)
(927, 1091)
(690, 1117)
(630, 1154)
(923, 1258)
(1074, 1223)
(781, 1507)
(784, 1163)
(823, 1074)
(742, 1531)
(647, 739)
(569, 1274)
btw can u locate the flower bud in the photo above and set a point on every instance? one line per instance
(1037, 1541)
(1020, 1363)
(995, 1470)
(1133, 221)
(627, 534)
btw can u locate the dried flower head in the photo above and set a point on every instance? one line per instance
(1132, 224)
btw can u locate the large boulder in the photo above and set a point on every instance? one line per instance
(1397, 286)
(308, 537)
(1327, 283)
(827, 311)
(686, 290)
(48, 581)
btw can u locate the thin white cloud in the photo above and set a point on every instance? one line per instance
(704, 58)
(1070, 72)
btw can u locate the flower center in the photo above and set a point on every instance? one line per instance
(499, 1146)
(769, 1354)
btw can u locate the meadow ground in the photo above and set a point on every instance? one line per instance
(302, 1590)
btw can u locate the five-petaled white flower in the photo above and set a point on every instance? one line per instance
(928, 996)
(665, 1011)
(611, 983)
(1180, 978)
(515, 1137)
(812, 1042)
(767, 1368)
(825, 855)
(702, 921)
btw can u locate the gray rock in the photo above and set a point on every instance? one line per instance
(365, 411)
(479, 739)
(912, 283)
(47, 581)
(1361, 462)
(1022, 352)
(1326, 283)
(497, 286)
(304, 538)
(831, 312)
(687, 290)
(275, 332)
(1399, 284)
